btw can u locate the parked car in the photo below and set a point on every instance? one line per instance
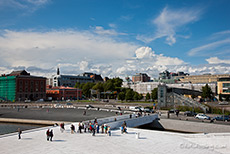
(135, 108)
(202, 116)
(221, 118)
(27, 101)
(223, 103)
(172, 111)
(189, 113)
(69, 105)
(89, 106)
(148, 110)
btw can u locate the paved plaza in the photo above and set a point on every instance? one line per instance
(158, 142)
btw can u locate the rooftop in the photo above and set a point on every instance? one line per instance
(34, 142)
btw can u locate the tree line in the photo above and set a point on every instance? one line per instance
(113, 89)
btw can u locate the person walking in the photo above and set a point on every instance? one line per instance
(51, 134)
(19, 133)
(48, 134)
(106, 129)
(72, 127)
(94, 129)
(109, 131)
(98, 127)
(62, 127)
(102, 128)
(85, 127)
(79, 126)
(124, 127)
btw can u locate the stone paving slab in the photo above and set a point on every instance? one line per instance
(153, 142)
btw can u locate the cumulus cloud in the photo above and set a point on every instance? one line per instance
(148, 53)
(48, 49)
(77, 51)
(216, 60)
(169, 22)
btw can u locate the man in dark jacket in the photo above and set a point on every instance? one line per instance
(51, 134)
(48, 134)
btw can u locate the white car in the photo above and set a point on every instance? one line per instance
(223, 103)
(202, 116)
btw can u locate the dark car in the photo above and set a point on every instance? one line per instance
(189, 113)
(172, 111)
(221, 118)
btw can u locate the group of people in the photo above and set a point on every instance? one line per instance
(49, 134)
(90, 127)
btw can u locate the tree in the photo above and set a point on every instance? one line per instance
(129, 95)
(147, 97)
(206, 92)
(86, 88)
(136, 96)
(108, 86)
(154, 93)
(121, 96)
(140, 96)
(77, 85)
(99, 87)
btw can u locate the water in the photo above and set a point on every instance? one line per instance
(6, 128)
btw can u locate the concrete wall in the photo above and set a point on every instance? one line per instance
(134, 122)
(189, 126)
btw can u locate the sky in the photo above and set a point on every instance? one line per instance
(115, 38)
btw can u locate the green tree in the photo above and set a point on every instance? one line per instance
(140, 96)
(99, 87)
(109, 86)
(206, 92)
(77, 85)
(117, 82)
(86, 89)
(154, 93)
(136, 96)
(129, 95)
(147, 97)
(121, 96)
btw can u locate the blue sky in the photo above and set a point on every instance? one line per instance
(115, 38)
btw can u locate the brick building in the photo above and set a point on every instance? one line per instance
(140, 77)
(63, 93)
(20, 86)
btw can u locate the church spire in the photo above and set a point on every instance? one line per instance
(58, 71)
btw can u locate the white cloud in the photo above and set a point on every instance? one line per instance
(216, 60)
(77, 51)
(48, 49)
(148, 55)
(38, 2)
(83, 65)
(210, 46)
(169, 22)
(26, 6)
(101, 31)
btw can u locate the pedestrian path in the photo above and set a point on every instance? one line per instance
(34, 142)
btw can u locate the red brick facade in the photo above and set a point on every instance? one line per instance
(64, 93)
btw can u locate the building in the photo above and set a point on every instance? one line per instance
(20, 86)
(147, 87)
(170, 75)
(207, 78)
(67, 80)
(140, 77)
(63, 93)
(223, 87)
(95, 77)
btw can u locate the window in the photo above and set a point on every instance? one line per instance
(225, 85)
